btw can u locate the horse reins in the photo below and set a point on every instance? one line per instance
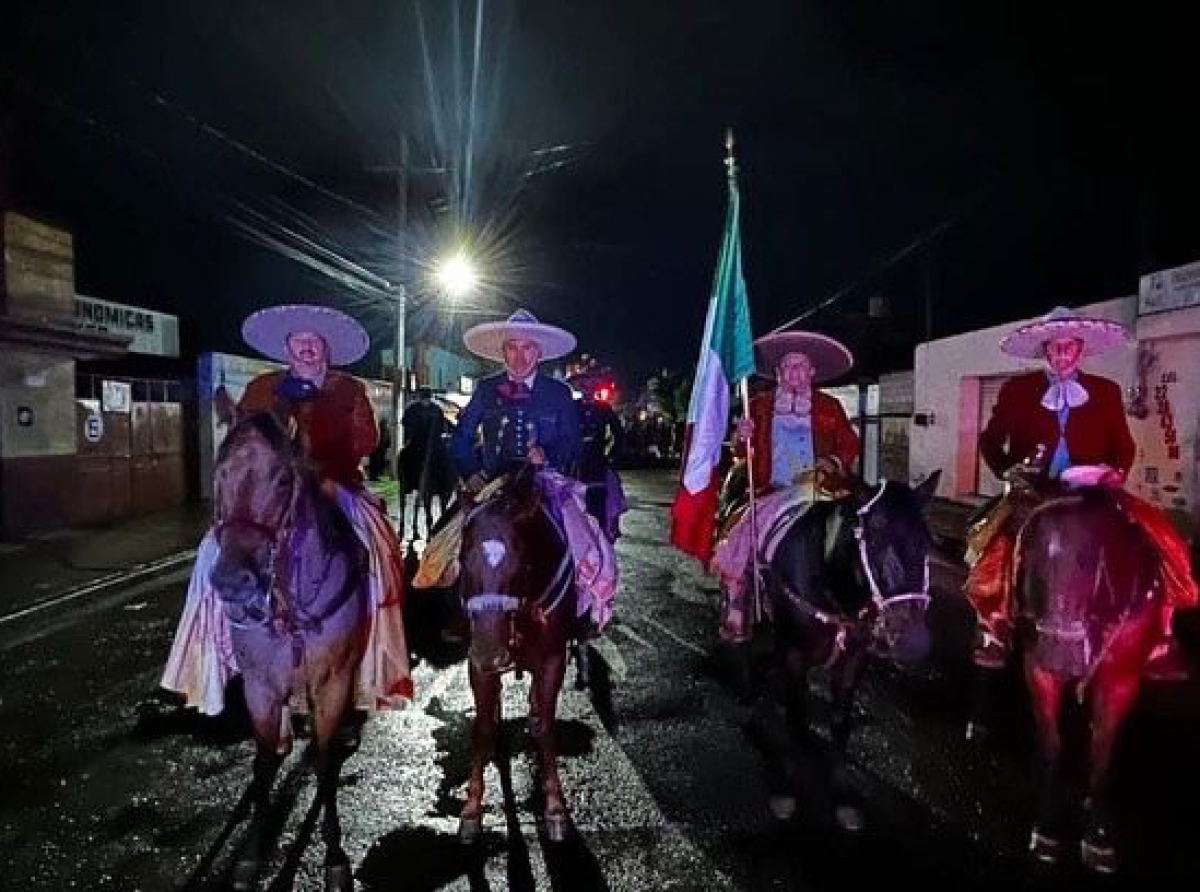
(877, 598)
(843, 626)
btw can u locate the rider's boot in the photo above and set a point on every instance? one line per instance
(990, 656)
(992, 647)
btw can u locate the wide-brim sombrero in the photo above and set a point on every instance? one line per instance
(267, 331)
(487, 339)
(830, 358)
(1098, 335)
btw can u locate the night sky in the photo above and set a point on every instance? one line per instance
(212, 158)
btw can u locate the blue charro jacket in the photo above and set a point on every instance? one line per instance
(499, 425)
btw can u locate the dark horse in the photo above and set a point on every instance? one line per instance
(292, 575)
(518, 589)
(435, 476)
(1089, 591)
(850, 577)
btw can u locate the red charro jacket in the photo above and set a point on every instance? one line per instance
(338, 425)
(833, 435)
(1020, 426)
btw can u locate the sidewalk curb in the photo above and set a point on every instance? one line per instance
(138, 573)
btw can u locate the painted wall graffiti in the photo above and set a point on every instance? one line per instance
(1165, 472)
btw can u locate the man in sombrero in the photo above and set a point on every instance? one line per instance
(802, 443)
(1053, 421)
(519, 414)
(335, 427)
(518, 417)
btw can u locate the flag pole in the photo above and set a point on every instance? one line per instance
(744, 390)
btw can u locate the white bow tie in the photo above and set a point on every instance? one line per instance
(1069, 393)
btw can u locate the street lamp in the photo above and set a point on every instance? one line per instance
(456, 275)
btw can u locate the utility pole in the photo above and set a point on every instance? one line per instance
(400, 376)
(929, 284)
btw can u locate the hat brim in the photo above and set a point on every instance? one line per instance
(267, 332)
(1098, 336)
(830, 358)
(487, 339)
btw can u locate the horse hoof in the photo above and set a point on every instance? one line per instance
(559, 827)
(339, 878)
(470, 830)
(782, 807)
(245, 875)
(1045, 848)
(1098, 857)
(850, 818)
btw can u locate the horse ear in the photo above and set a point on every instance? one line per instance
(928, 487)
(225, 408)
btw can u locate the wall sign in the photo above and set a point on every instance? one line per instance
(93, 427)
(116, 396)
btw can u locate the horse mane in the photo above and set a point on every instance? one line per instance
(519, 498)
(332, 525)
(263, 423)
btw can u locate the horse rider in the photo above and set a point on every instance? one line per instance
(335, 427)
(519, 414)
(802, 444)
(602, 440)
(521, 417)
(424, 425)
(1047, 423)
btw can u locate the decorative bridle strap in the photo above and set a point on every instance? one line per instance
(865, 560)
(491, 602)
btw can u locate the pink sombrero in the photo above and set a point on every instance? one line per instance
(1098, 335)
(487, 339)
(830, 358)
(267, 331)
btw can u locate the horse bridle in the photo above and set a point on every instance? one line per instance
(877, 598)
(871, 616)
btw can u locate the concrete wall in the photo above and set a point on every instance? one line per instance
(37, 269)
(44, 387)
(948, 375)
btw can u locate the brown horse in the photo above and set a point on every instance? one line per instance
(518, 589)
(292, 575)
(1089, 591)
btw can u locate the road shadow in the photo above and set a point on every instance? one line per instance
(600, 688)
(214, 870)
(421, 859)
(163, 714)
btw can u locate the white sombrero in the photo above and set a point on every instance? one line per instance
(487, 339)
(267, 331)
(830, 358)
(1098, 335)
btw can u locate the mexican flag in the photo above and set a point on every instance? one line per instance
(726, 358)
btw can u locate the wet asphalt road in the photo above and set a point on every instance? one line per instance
(664, 769)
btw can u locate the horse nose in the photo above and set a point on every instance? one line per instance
(233, 579)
